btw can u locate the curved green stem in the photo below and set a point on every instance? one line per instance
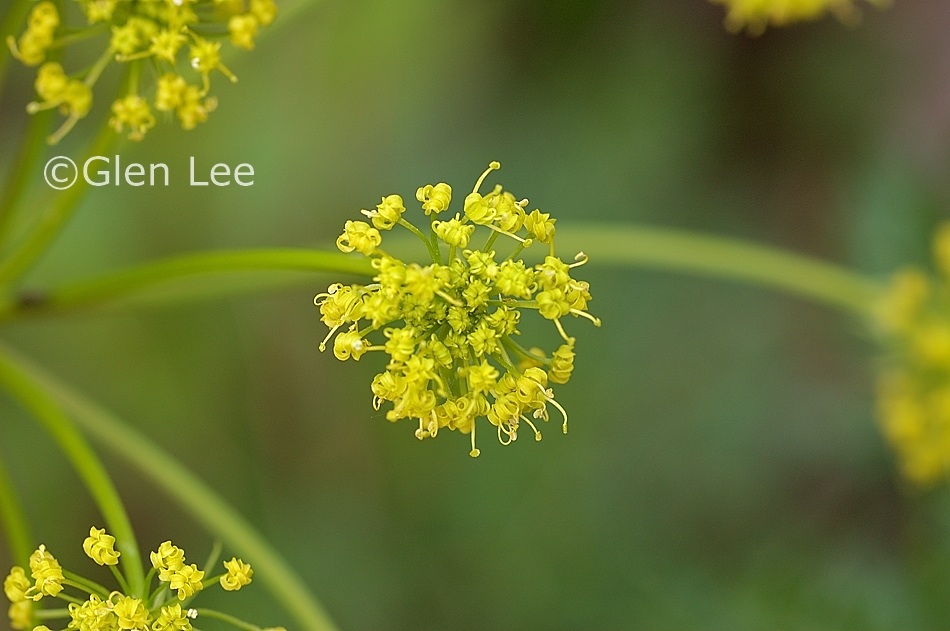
(24, 389)
(36, 242)
(117, 285)
(190, 492)
(674, 250)
(15, 526)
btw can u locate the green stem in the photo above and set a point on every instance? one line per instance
(517, 304)
(126, 588)
(24, 389)
(117, 285)
(36, 242)
(79, 36)
(191, 493)
(24, 166)
(15, 526)
(432, 246)
(51, 614)
(521, 351)
(90, 586)
(673, 250)
(237, 622)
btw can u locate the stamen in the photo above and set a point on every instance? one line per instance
(420, 433)
(192, 613)
(581, 259)
(500, 438)
(491, 167)
(323, 344)
(474, 452)
(33, 107)
(537, 434)
(584, 314)
(449, 299)
(560, 329)
(551, 400)
(507, 234)
(11, 42)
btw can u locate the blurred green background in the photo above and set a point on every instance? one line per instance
(723, 469)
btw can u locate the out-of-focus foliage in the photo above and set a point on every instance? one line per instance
(723, 469)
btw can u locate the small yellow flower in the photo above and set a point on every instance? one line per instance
(41, 27)
(387, 213)
(195, 107)
(100, 547)
(205, 57)
(359, 236)
(454, 232)
(264, 10)
(134, 36)
(172, 618)
(434, 199)
(186, 581)
(168, 559)
(21, 615)
(99, 10)
(16, 584)
(93, 615)
(239, 574)
(47, 573)
(166, 44)
(243, 30)
(130, 613)
(132, 111)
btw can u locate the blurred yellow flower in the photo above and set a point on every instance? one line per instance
(756, 15)
(913, 320)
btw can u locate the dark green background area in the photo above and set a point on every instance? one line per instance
(723, 469)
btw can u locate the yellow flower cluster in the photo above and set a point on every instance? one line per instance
(449, 326)
(173, 36)
(160, 609)
(755, 15)
(914, 390)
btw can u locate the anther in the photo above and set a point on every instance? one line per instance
(491, 167)
(584, 314)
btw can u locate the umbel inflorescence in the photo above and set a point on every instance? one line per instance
(914, 389)
(92, 607)
(449, 326)
(755, 15)
(177, 42)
